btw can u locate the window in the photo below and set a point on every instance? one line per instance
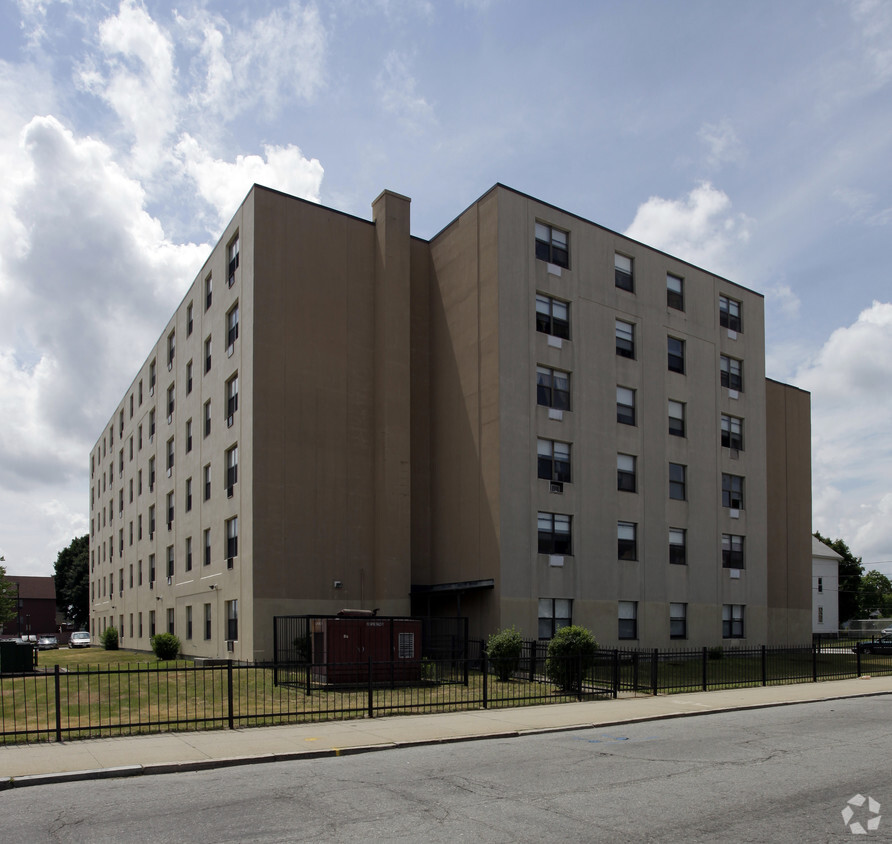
(678, 546)
(171, 397)
(553, 460)
(232, 537)
(188, 494)
(552, 317)
(207, 482)
(189, 320)
(188, 435)
(151, 568)
(732, 432)
(674, 292)
(820, 615)
(151, 424)
(170, 454)
(189, 378)
(139, 527)
(627, 540)
(554, 613)
(627, 611)
(170, 513)
(729, 313)
(677, 485)
(139, 575)
(732, 491)
(820, 584)
(171, 348)
(170, 562)
(625, 339)
(130, 582)
(152, 378)
(551, 245)
(208, 291)
(625, 472)
(151, 521)
(207, 418)
(188, 553)
(231, 399)
(170, 620)
(732, 372)
(207, 546)
(676, 355)
(676, 418)
(622, 273)
(139, 616)
(678, 621)
(207, 621)
(554, 534)
(188, 621)
(140, 392)
(232, 619)
(552, 388)
(231, 468)
(151, 622)
(625, 405)
(732, 551)
(232, 259)
(151, 474)
(732, 621)
(232, 325)
(207, 355)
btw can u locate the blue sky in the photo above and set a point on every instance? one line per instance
(753, 139)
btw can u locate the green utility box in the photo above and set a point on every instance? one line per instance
(16, 657)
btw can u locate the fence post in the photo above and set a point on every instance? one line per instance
(705, 669)
(275, 650)
(371, 697)
(579, 676)
(857, 661)
(58, 704)
(533, 646)
(764, 666)
(635, 661)
(615, 673)
(654, 667)
(485, 675)
(229, 692)
(814, 665)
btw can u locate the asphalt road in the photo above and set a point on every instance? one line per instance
(778, 774)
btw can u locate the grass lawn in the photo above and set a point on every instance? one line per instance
(65, 657)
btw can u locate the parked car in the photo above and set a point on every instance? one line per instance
(877, 646)
(80, 639)
(47, 643)
(886, 631)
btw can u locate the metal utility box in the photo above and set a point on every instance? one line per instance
(16, 658)
(343, 646)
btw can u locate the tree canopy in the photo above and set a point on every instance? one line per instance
(8, 597)
(73, 581)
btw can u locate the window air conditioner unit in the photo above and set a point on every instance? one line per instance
(151, 438)
(229, 350)
(229, 562)
(152, 390)
(557, 487)
(735, 453)
(230, 645)
(229, 492)
(151, 584)
(229, 421)
(169, 471)
(169, 580)
(169, 418)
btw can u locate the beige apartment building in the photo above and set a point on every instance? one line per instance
(528, 419)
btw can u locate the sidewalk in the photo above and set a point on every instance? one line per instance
(38, 764)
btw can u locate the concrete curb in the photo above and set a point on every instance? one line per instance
(161, 768)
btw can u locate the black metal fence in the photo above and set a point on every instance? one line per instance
(87, 702)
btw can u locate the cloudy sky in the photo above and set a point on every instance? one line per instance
(753, 139)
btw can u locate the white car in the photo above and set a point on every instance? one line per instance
(81, 639)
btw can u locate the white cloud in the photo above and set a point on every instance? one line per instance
(396, 89)
(723, 144)
(875, 19)
(698, 228)
(851, 448)
(780, 297)
(224, 184)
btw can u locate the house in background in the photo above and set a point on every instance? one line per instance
(36, 607)
(825, 587)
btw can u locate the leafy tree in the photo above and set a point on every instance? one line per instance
(876, 595)
(850, 571)
(8, 597)
(73, 581)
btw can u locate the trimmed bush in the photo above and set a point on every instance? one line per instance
(570, 651)
(503, 649)
(165, 645)
(109, 638)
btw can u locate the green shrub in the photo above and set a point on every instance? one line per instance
(302, 648)
(716, 652)
(503, 649)
(165, 645)
(570, 651)
(109, 638)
